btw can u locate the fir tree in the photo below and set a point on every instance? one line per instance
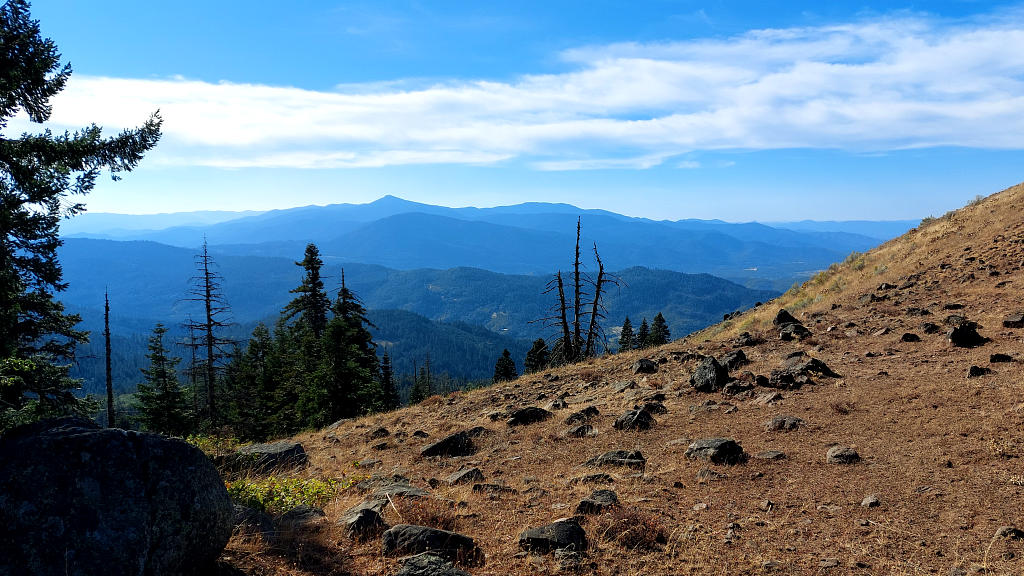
(536, 357)
(38, 173)
(389, 390)
(643, 335)
(659, 332)
(505, 368)
(250, 383)
(311, 304)
(626, 336)
(206, 335)
(353, 359)
(163, 407)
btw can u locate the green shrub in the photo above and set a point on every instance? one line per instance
(279, 495)
(215, 445)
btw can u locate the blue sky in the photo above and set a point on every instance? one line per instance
(672, 109)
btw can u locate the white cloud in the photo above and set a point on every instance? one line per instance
(870, 86)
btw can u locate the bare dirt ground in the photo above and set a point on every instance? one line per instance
(943, 453)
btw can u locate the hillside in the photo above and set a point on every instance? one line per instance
(939, 472)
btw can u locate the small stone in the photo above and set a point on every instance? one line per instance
(783, 423)
(560, 535)
(1011, 532)
(770, 455)
(870, 501)
(1014, 321)
(766, 505)
(581, 431)
(597, 502)
(978, 371)
(465, 476)
(645, 366)
(528, 415)
(635, 420)
(910, 337)
(626, 458)
(828, 563)
(842, 455)
(717, 451)
(997, 358)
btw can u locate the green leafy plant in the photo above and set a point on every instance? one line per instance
(215, 445)
(279, 495)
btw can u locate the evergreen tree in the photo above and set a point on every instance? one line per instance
(311, 304)
(250, 383)
(422, 387)
(106, 349)
(352, 356)
(659, 332)
(536, 357)
(505, 368)
(626, 336)
(389, 390)
(163, 407)
(38, 172)
(643, 336)
(206, 335)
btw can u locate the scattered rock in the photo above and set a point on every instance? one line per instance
(930, 328)
(583, 415)
(420, 434)
(597, 502)
(910, 337)
(79, 499)
(265, 458)
(1014, 321)
(734, 359)
(557, 404)
(379, 433)
(629, 459)
(564, 534)
(965, 335)
(580, 431)
(793, 332)
(841, 455)
(978, 371)
(465, 476)
(528, 415)
(870, 501)
(635, 420)
(717, 451)
(600, 478)
(998, 358)
(654, 408)
(784, 317)
(767, 399)
(645, 366)
(1010, 532)
(709, 376)
(783, 423)
(364, 521)
(457, 444)
(745, 339)
(395, 487)
(301, 516)
(427, 564)
(770, 455)
(409, 539)
(494, 489)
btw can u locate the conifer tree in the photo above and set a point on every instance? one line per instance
(163, 407)
(643, 335)
(353, 356)
(311, 304)
(505, 368)
(250, 383)
(536, 357)
(206, 335)
(659, 332)
(626, 336)
(38, 174)
(389, 390)
(106, 349)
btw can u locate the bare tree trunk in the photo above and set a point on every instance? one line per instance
(567, 348)
(577, 300)
(595, 312)
(106, 345)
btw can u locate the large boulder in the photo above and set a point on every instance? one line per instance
(965, 335)
(528, 415)
(638, 419)
(458, 444)
(76, 500)
(717, 451)
(709, 376)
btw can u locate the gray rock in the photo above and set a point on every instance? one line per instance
(408, 539)
(783, 423)
(457, 444)
(301, 516)
(564, 534)
(583, 415)
(870, 501)
(428, 564)
(597, 502)
(635, 420)
(717, 451)
(78, 499)
(379, 433)
(770, 455)
(528, 415)
(709, 376)
(645, 366)
(580, 431)
(557, 404)
(465, 476)
(364, 521)
(273, 456)
(965, 335)
(789, 332)
(655, 408)
(600, 478)
(841, 455)
(734, 359)
(1014, 321)
(252, 523)
(494, 489)
(784, 317)
(626, 458)
(1010, 532)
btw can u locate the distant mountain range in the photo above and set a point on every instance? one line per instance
(531, 238)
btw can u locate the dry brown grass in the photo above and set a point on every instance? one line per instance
(936, 447)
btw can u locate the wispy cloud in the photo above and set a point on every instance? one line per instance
(868, 86)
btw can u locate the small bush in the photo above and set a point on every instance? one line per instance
(632, 529)
(215, 445)
(279, 495)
